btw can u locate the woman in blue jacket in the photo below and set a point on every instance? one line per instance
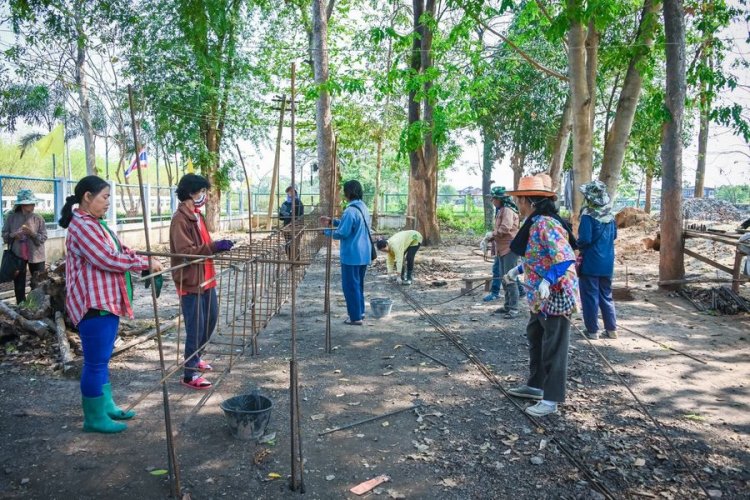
(597, 233)
(355, 250)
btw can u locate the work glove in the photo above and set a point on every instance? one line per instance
(158, 281)
(543, 289)
(223, 246)
(510, 276)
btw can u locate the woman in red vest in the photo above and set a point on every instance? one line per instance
(196, 284)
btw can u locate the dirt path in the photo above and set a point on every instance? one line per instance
(469, 441)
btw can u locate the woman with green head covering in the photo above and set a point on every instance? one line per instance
(503, 232)
(596, 241)
(25, 233)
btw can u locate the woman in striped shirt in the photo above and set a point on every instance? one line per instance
(98, 291)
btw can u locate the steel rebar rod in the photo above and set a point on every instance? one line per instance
(370, 419)
(419, 351)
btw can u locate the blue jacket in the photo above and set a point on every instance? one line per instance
(356, 245)
(596, 242)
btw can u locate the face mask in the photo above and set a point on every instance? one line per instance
(200, 201)
(289, 198)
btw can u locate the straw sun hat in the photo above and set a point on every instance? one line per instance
(534, 185)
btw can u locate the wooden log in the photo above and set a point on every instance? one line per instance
(708, 261)
(690, 299)
(39, 328)
(66, 355)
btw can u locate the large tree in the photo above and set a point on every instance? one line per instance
(56, 39)
(321, 13)
(420, 134)
(198, 83)
(671, 265)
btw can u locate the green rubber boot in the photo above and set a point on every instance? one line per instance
(95, 418)
(114, 411)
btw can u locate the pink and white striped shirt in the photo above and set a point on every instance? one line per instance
(95, 269)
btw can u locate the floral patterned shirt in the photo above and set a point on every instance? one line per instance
(548, 246)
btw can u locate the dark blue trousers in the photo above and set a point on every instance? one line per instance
(596, 294)
(353, 285)
(201, 314)
(97, 340)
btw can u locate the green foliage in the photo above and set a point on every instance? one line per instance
(472, 220)
(734, 194)
(34, 104)
(202, 90)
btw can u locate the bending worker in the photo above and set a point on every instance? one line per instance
(400, 246)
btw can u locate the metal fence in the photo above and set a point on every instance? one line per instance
(126, 202)
(47, 190)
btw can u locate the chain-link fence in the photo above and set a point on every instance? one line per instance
(43, 189)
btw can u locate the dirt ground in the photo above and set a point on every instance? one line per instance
(467, 441)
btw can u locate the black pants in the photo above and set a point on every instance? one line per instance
(548, 355)
(409, 255)
(19, 283)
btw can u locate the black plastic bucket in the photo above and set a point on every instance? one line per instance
(247, 415)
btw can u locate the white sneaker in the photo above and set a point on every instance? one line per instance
(541, 409)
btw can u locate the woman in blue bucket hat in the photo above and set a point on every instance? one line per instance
(25, 233)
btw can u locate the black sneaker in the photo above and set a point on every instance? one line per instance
(527, 392)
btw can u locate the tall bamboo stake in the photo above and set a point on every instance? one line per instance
(174, 471)
(329, 255)
(297, 482)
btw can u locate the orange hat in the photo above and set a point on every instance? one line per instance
(533, 186)
(546, 180)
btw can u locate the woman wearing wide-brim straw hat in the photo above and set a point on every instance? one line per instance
(545, 243)
(25, 233)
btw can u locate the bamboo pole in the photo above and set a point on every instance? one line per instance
(171, 454)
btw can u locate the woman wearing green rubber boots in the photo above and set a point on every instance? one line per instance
(98, 292)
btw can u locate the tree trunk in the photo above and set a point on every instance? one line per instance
(378, 167)
(517, 164)
(618, 135)
(423, 159)
(592, 66)
(323, 119)
(561, 145)
(581, 106)
(488, 160)
(213, 198)
(700, 171)
(381, 139)
(649, 185)
(89, 143)
(706, 91)
(276, 165)
(671, 265)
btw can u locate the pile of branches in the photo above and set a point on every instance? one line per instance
(720, 299)
(35, 331)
